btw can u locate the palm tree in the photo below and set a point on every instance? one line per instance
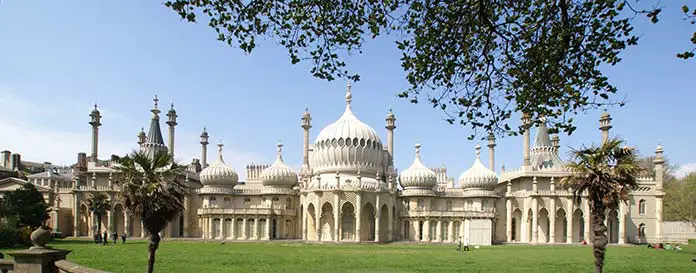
(151, 189)
(98, 204)
(607, 173)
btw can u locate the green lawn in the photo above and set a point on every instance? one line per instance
(199, 257)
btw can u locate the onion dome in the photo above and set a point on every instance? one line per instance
(478, 177)
(418, 176)
(279, 174)
(347, 144)
(218, 174)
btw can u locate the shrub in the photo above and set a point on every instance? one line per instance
(9, 235)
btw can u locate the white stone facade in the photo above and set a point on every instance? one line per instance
(348, 190)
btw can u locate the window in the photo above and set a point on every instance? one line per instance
(227, 199)
(449, 204)
(484, 205)
(641, 207)
(421, 204)
(641, 231)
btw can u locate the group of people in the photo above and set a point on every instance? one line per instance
(103, 238)
(665, 246)
(465, 246)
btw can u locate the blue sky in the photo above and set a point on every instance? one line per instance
(58, 58)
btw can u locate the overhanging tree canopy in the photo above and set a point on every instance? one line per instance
(477, 60)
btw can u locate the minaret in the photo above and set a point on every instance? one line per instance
(526, 122)
(95, 122)
(391, 125)
(605, 125)
(306, 125)
(555, 141)
(172, 123)
(659, 162)
(204, 149)
(142, 138)
(491, 151)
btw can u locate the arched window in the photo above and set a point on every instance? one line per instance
(641, 231)
(641, 207)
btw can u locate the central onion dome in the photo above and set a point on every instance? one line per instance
(418, 176)
(279, 174)
(478, 177)
(218, 174)
(348, 144)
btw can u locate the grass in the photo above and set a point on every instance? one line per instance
(193, 256)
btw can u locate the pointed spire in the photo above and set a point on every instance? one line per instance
(220, 145)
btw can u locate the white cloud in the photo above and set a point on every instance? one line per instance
(685, 170)
(21, 132)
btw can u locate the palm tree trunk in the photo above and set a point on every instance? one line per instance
(600, 239)
(152, 247)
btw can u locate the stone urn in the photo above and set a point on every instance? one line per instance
(40, 237)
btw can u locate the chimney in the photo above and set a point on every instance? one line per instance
(16, 162)
(5, 158)
(81, 161)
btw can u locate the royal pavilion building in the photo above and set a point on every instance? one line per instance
(347, 190)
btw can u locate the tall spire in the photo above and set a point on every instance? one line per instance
(155, 142)
(544, 153)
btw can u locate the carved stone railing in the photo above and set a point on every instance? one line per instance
(247, 211)
(489, 213)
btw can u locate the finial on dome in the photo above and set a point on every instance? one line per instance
(280, 147)
(95, 105)
(349, 95)
(220, 146)
(478, 150)
(418, 146)
(306, 108)
(155, 111)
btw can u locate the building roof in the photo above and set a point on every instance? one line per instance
(543, 154)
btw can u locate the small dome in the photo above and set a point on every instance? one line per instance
(219, 174)
(279, 174)
(418, 176)
(478, 176)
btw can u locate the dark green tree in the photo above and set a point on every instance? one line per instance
(99, 204)
(479, 61)
(26, 206)
(606, 173)
(152, 189)
(680, 200)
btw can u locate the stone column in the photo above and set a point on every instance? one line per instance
(658, 218)
(304, 225)
(438, 231)
(508, 221)
(337, 215)
(55, 216)
(110, 222)
(268, 228)
(535, 221)
(358, 216)
(569, 220)
(317, 213)
(378, 229)
(211, 225)
(552, 221)
(450, 231)
(426, 230)
(126, 224)
(390, 227)
(467, 229)
(233, 232)
(622, 223)
(462, 228)
(186, 216)
(76, 213)
(222, 227)
(256, 228)
(245, 233)
(524, 233)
